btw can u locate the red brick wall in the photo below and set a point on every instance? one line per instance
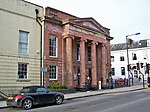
(56, 30)
(60, 31)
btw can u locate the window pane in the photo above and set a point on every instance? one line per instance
(53, 72)
(113, 71)
(134, 57)
(122, 70)
(78, 52)
(52, 46)
(23, 42)
(121, 58)
(112, 58)
(22, 70)
(89, 53)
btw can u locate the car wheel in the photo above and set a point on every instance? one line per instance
(27, 104)
(58, 100)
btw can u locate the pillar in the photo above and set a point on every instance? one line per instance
(69, 64)
(99, 70)
(82, 63)
(103, 52)
(63, 61)
(108, 59)
(94, 64)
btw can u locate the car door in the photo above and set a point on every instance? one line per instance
(34, 96)
(50, 96)
(42, 95)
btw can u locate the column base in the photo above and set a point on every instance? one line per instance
(94, 87)
(81, 88)
(105, 87)
(70, 87)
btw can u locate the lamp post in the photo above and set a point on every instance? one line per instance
(128, 65)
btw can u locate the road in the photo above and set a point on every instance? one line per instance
(138, 101)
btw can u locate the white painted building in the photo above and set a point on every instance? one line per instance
(139, 52)
(20, 35)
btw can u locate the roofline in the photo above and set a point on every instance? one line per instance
(94, 21)
(110, 38)
(32, 3)
(99, 26)
(62, 12)
(118, 43)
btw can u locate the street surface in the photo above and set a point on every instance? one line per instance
(137, 101)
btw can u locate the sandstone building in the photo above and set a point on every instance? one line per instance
(76, 50)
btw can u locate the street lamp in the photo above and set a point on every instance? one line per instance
(128, 65)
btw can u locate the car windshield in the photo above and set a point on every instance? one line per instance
(27, 90)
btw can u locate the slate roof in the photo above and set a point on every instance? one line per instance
(135, 44)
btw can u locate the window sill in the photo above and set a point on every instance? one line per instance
(53, 79)
(23, 55)
(22, 80)
(53, 56)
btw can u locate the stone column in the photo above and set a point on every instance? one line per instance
(108, 59)
(94, 64)
(99, 70)
(63, 61)
(69, 64)
(82, 63)
(103, 52)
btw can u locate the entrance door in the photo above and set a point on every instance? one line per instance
(78, 76)
(90, 76)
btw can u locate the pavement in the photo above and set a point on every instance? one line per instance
(92, 93)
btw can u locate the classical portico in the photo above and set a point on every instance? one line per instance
(95, 69)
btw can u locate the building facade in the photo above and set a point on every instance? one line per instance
(20, 44)
(76, 50)
(139, 52)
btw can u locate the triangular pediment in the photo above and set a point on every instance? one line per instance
(90, 23)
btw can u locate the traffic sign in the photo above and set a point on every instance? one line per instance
(43, 70)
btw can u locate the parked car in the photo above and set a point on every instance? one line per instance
(34, 95)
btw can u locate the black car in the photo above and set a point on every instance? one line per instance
(34, 95)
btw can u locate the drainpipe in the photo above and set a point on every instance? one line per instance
(38, 19)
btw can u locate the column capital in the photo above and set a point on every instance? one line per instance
(95, 42)
(68, 36)
(102, 45)
(83, 39)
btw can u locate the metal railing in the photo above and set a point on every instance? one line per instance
(2, 96)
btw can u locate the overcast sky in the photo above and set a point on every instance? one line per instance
(122, 17)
